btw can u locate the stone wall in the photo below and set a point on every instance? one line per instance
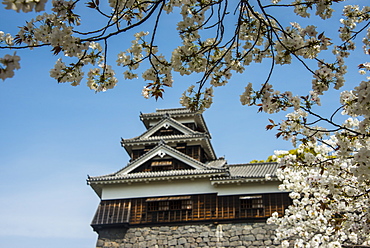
(240, 235)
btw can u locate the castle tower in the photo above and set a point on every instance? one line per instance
(174, 179)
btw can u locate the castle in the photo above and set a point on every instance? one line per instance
(175, 186)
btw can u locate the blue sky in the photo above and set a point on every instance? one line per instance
(52, 135)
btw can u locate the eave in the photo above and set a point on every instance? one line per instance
(156, 176)
(155, 139)
(128, 144)
(240, 180)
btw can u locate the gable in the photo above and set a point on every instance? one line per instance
(162, 153)
(167, 127)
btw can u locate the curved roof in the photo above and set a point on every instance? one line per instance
(253, 169)
(175, 113)
(159, 175)
(251, 172)
(225, 172)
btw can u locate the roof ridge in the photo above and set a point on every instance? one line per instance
(252, 163)
(167, 137)
(171, 111)
(164, 110)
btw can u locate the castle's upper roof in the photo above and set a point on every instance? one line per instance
(148, 118)
(172, 111)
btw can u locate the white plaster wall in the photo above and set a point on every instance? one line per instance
(183, 187)
(248, 188)
(162, 188)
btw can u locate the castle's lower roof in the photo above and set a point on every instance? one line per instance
(158, 175)
(252, 172)
(225, 173)
(253, 169)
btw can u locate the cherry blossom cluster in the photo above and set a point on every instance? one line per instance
(8, 63)
(260, 37)
(327, 175)
(329, 186)
(206, 48)
(102, 78)
(52, 30)
(73, 72)
(193, 98)
(25, 5)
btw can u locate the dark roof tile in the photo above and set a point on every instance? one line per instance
(253, 169)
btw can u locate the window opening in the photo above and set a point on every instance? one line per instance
(248, 202)
(252, 206)
(169, 203)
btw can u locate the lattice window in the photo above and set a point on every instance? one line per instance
(163, 205)
(166, 131)
(175, 205)
(162, 163)
(251, 206)
(153, 206)
(187, 204)
(250, 202)
(169, 203)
